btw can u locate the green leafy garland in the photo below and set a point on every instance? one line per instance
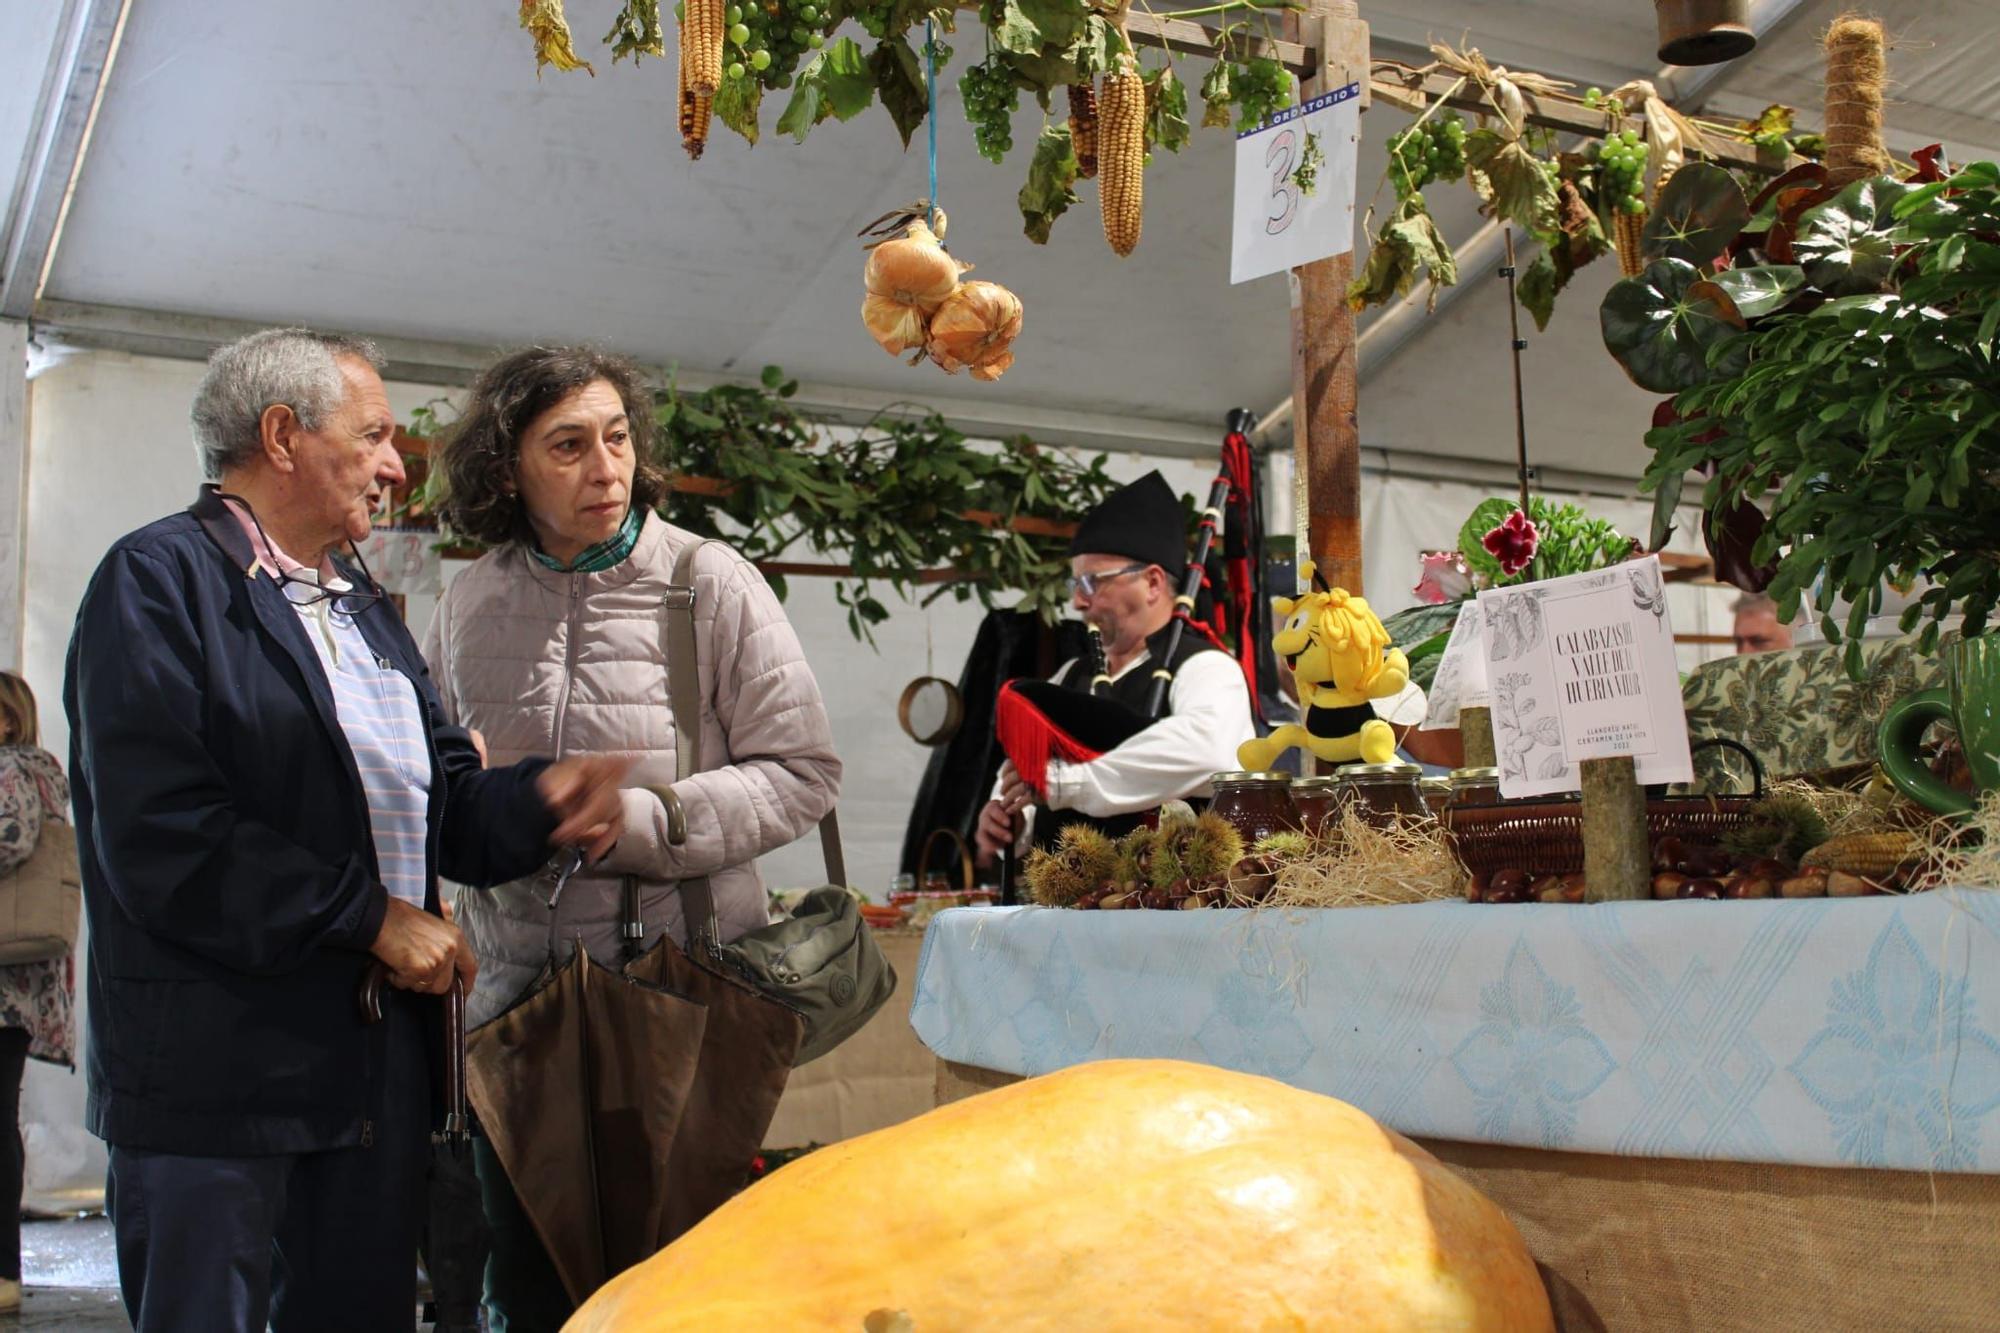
(1033, 46)
(888, 500)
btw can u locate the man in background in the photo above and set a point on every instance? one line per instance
(1758, 629)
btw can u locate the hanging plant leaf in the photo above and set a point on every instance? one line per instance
(736, 103)
(1697, 215)
(1764, 208)
(1731, 533)
(1166, 110)
(1538, 288)
(1409, 242)
(1216, 96)
(1662, 324)
(1848, 243)
(1516, 185)
(1762, 289)
(1048, 193)
(899, 79)
(836, 82)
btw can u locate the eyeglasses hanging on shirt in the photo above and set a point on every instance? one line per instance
(1088, 584)
(303, 588)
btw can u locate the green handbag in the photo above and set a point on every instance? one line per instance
(822, 962)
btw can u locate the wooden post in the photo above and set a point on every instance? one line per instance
(1615, 862)
(1326, 440)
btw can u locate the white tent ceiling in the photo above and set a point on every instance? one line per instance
(399, 169)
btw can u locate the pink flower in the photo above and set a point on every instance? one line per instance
(1445, 578)
(1512, 543)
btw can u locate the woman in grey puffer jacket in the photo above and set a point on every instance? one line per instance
(554, 643)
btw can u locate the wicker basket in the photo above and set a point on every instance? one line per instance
(1546, 837)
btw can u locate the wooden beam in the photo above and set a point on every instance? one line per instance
(1412, 90)
(1025, 524)
(1326, 434)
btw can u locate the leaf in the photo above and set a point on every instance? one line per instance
(636, 32)
(1485, 516)
(1547, 731)
(1216, 96)
(1662, 325)
(1761, 289)
(1516, 185)
(1537, 289)
(546, 24)
(1166, 110)
(736, 103)
(1848, 244)
(1408, 242)
(1051, 176)
(899, 81)
(1697, 216)
(836, 82)
(1553, 766)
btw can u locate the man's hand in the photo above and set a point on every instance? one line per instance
(421, 951)
(478, 745)
(583, 796)
(998, 827)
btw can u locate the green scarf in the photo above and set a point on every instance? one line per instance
(606, 554)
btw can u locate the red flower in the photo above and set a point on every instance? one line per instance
(1512, 543)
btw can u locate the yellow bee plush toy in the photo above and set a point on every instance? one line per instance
(1341, 657)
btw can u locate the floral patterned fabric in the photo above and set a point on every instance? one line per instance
(40, 997)
(1798, 709)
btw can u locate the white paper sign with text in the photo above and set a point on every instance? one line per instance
(1460, 681)
(1295, 186)
(1583, 668)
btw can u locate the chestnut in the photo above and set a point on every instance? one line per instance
(1768, 867)
(1513, 882)
(1706, 861)
(1575, 888)
(1668, 884)
(1115, 902)
(1668, 853)
(1551, 889)
(1702, 888)
(1809, 883)
(1743, 884)
(1841, 884)
(1475, 888)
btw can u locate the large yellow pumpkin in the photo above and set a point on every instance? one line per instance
(1126, 1194)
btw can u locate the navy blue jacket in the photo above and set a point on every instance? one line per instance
(229, 875)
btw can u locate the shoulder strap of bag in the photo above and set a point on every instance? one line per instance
(684, 698)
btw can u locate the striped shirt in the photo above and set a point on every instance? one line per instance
(378, 712)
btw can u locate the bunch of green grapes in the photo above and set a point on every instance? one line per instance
(991, 97)
(1260, 88)
(1621, 161)
(768, 38)
(1433, 149)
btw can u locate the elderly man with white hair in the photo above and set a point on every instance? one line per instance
(266, 792)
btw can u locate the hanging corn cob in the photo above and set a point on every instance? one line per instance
(1121, 135)
(695, 111)
(1083, 128)
(701, 45)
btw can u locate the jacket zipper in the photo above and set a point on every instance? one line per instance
(569, 661)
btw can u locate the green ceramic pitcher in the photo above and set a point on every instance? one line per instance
(1971, 703)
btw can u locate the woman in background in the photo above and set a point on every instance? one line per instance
(36, 999)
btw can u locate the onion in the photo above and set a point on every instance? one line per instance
(974, 329)
(898, 327)
(913, 269)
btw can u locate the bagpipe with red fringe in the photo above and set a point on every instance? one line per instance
(1038, 721)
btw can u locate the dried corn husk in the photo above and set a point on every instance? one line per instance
(1122, 154)
(545, 22)
(1628, 232)
(1872, 854)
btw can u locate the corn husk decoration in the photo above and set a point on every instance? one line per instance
(1083, 128)
(1121, 152)
(702, 29)
(974, 329)
(696, 110)
(545, 22)
(1856, 71)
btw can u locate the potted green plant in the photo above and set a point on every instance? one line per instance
(1831, 356)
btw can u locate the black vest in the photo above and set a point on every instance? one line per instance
(1130, 690)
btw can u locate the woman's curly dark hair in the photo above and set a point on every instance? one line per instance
(478, 466)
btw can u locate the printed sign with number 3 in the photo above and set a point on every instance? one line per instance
(1295, 186)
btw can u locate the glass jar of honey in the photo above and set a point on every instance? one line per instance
(1384, 794)
(1317, 800)
(1256, 804)
(1437, 794)
(1475, 786)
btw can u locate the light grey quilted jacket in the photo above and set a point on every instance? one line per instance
(563, 664)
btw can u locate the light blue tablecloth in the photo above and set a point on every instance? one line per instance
(1849, 1032)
